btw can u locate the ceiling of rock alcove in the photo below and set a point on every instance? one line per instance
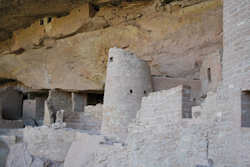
(70, 52)
(15, 14)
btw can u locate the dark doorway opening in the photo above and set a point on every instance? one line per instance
(95, 98)
(11, 102)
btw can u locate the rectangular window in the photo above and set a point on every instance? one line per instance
(186, 102)
(209, 75)
(41, 22)
(245, 109)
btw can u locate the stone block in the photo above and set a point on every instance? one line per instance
(48, 143)
(18, 156)
(59, 116)
(83, 151)
(9, 140)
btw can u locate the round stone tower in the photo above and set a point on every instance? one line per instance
(128, 79)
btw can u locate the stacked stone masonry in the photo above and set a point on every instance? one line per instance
(137, 128)
(60, 100)
(128, 80)
(90, 119)
(158, 138)
(79, 101)
(164, 83)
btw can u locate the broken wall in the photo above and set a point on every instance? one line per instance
(161, 137)
(164, 83)
(90, 119)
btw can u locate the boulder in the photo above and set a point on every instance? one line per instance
(82, 151)
(49, 143)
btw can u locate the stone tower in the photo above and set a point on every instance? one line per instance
(128, 80)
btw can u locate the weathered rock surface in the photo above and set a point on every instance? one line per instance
(71, 52)
(96, 151)
(4, 150)
(112, 155)
(82, 151)
(21, 13)
(19, 156)
(49, 143)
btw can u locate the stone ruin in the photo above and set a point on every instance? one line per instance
(128, 80)
(139, 118)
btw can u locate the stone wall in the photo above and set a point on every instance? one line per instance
(29, 109)
(128, 80)
(11, 124)
(90, 119)
(34, 108)
(229, 144)
(79, 101)
(60, 100)
(236, 44)
(69, 102)
(164, 83)
(160, 137)
(156, 137)
(211, 72)
(40, 107)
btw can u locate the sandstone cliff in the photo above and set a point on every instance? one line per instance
(70, 52)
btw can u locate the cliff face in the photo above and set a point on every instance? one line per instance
(70, 52)
(21, 13)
